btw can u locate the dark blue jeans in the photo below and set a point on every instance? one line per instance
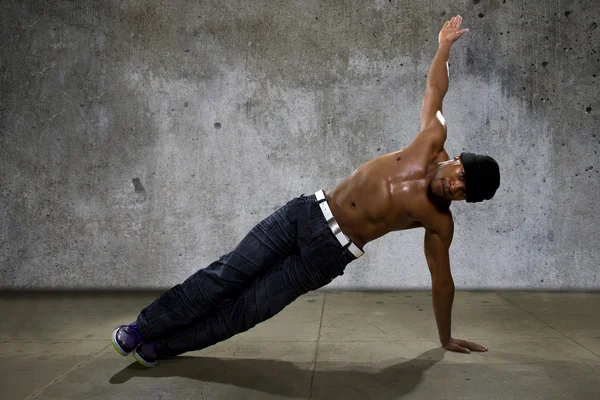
(286, 255)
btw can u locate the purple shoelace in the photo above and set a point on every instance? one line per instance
(132, 328)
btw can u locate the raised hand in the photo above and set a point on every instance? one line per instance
(451, 31)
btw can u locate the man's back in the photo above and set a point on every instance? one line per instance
(390, 193)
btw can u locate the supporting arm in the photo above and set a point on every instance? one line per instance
(443, 297)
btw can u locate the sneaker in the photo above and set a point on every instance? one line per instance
(146, 354)
(126, 338)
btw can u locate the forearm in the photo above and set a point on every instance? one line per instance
(438, 72)
(443, 298)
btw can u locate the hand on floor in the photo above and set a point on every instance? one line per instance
(462, 346)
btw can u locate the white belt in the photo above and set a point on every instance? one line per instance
(334, 227)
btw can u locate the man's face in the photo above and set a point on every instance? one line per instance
(449, 181)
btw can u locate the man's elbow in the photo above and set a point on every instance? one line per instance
(446, 283)
(442, 87)
(441, 278)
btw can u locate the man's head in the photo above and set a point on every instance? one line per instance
(469, 177)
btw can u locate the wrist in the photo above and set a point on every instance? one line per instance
(445, 46)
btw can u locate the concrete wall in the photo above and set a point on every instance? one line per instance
(141, 140)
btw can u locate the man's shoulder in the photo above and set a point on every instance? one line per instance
(431, 138)
(426, 152)
(438, 219)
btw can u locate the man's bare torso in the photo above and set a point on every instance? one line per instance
(388, 193)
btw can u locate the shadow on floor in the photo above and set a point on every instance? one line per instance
(276, 377)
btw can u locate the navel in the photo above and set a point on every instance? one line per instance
(409, 213)
(353, 205)
(398, 159)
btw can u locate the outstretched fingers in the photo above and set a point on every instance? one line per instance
(454, 22)
(457, 21)
(451, 31)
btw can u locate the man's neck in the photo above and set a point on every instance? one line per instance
(432, 173)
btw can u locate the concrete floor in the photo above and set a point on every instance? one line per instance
(326, 345)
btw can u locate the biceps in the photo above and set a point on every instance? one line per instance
(438, 259)
(432, 103)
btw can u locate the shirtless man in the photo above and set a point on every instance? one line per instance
(308, 242)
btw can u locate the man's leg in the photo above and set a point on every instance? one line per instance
(265, 297)
(270, 241)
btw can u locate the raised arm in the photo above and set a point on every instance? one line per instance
(437, 82)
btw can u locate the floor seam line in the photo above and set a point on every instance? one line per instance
(312, 378)
(67, 373)
(547, 324)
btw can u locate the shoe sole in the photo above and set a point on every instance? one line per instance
(116, 344)
(142, 361)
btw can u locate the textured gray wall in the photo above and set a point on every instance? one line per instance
(141, 140)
